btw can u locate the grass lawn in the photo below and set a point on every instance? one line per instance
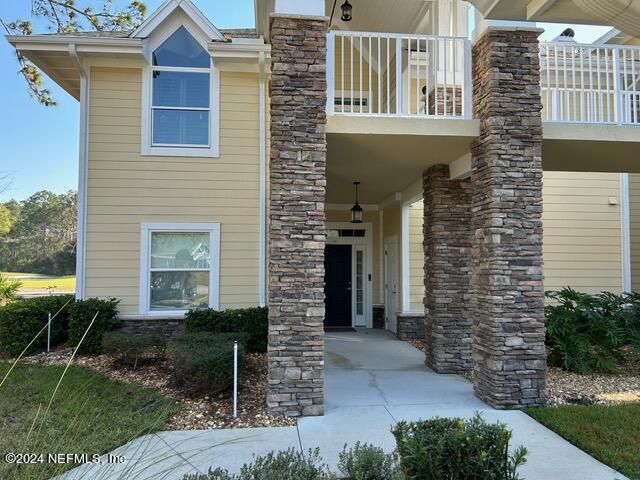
(90, 414)
(35, 283)
(609, 433)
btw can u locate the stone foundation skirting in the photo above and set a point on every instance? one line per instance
(410, 326)
(169, 327)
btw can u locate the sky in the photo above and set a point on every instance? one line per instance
(39, 145)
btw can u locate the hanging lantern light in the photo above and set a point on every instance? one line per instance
(356, 210)
(346, 11)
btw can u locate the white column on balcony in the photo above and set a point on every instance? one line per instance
(481, 24)
(300, 7)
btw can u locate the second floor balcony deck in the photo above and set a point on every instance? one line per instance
(407, 75)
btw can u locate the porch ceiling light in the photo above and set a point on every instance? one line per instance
(356, 210)
(346, 11)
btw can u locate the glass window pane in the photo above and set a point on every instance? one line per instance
(180, 89)
(180, 250)
(359, 282)
(180, 127)
(181, 50)
(179, 290)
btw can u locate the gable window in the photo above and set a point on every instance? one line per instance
(182, 112)
(179, 267)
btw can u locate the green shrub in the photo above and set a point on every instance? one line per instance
(81, 315)
(456, 449)
(252, 321)
(587, 333)
(20, 322)
(8, 289)
(203, 362)
(367, 462)
(286, 465)
(131, 349)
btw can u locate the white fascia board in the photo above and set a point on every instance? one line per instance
(242, 50)
(166, 9)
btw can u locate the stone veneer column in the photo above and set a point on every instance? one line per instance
(509, 330)
(447, 269)
(297, 220)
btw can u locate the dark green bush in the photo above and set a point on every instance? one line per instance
(286, 465)
(20, 322)
(587, 333)
(252, 321)
(130, 350)
(367, 462)
(81, 315)
(456, 449)
(203, 362)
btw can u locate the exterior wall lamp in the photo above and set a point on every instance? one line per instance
(356, 210)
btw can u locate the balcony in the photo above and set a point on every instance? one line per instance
(590, 84)
(405, 75)
(382, 74)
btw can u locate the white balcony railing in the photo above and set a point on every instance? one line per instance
(398, 74)
(588, 84)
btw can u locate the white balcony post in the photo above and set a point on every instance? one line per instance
(618, 105)
(399, 109)
(300, 7)
(331, 78)
(467, 90)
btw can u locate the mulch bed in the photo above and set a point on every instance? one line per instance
(568, 388)
(203, 412)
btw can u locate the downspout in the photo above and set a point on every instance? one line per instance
(83, 151)
(262, 268)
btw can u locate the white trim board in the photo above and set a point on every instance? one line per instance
(146, 229)
(146, 147)
(165, 10)
(625, 222)
(83, 162)
(356, 242)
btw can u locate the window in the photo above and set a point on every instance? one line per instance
(179, 267)
(181, 99)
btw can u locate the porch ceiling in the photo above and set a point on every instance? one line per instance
(388, 155)
(591, 148)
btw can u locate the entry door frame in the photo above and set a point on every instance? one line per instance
(362, 244)
(391, 319)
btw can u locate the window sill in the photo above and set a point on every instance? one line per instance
(211, 152)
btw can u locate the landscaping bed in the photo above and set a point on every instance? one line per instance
(566, 388)
(196, 412)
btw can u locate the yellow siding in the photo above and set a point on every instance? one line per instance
(582, 234)
(416, 256)
(634, 226)
(126, 188)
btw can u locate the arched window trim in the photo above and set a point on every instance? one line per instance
(178, 150)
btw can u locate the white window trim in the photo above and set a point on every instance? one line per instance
(364, 243)
(146, 229)
(147, 147)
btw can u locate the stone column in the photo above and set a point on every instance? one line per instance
(447, 270)
(297, 220)
(509, 331)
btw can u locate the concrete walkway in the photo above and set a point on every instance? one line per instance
(373, 380)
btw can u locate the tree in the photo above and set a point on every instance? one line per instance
(42, 237)
(7, 219)
(65, 16)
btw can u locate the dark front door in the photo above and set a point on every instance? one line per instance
(337, 268)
